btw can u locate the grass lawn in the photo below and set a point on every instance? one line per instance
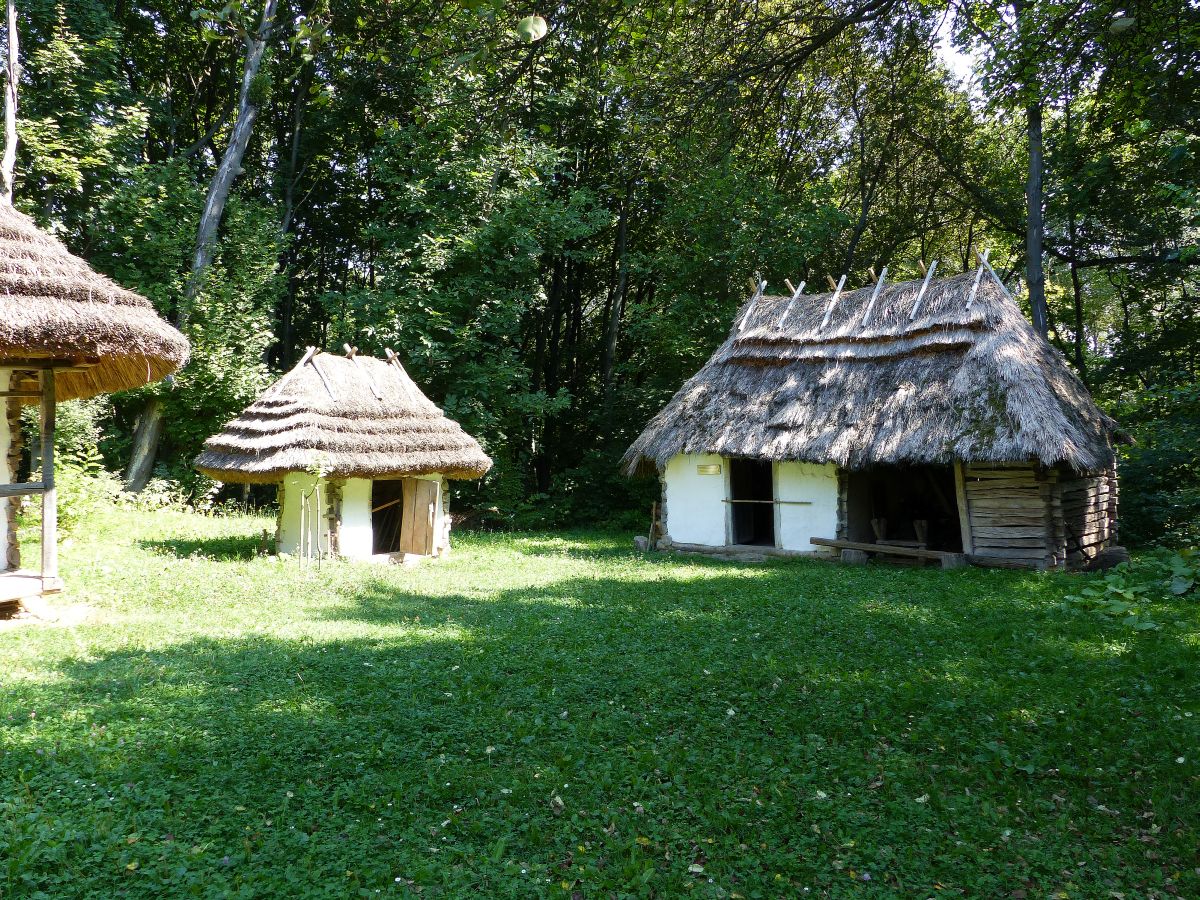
(556, 715)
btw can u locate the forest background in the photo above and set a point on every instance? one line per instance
(553, 227)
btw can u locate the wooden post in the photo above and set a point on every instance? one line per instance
(978, 275)
(964, 512)
(924, 287)
(874, 295)
(837, 292)
(49, 496)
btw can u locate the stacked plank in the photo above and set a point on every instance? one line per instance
(1012, 511)
(1087, 515)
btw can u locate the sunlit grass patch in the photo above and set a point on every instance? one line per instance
(541, 710)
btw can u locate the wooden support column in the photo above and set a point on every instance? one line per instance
(964, 512)
(49, 495)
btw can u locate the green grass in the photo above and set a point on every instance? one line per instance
(555, 715)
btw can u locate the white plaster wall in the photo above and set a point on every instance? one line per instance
(6, 477)
(695, 503)
(812, 482)
(296, 486)
(355, 539)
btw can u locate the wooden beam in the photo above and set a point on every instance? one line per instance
(837, 292)
(49, 495)
(324, 380)
(1000, 283)
(791, 287)
(47, 362)
(889, 549)
(29, 394)
(22, 490)
(829, 281)
(879, 282)
(924, 287)
(978, 275)
(787, 310)
(964, 511)
(762, 287)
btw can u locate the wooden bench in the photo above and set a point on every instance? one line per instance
(948, 560)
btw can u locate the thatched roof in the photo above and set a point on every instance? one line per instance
(324, 414)
(953, 383)
(53, 306)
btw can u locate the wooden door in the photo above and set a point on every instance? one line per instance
(420, 505)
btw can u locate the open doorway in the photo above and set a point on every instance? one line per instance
(904, 505)
(751, 502)
(387, 515)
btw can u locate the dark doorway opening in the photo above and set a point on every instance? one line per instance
(752, 502)
(903, 504)
(387, 515)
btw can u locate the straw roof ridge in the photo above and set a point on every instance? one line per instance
(54, 306)
(948, 383)
(324, 414)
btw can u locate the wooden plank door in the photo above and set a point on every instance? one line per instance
(420, 504)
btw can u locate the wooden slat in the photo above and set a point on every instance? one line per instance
(408, 520)
(49, 495)
(889, 549)
(964, 516)
(21, 490)
(1009, 531)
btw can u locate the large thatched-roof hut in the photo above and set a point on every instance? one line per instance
(65, 332)
(925, 415)
(361, 457)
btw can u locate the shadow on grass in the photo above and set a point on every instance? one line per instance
(228, 547)
(776, 726)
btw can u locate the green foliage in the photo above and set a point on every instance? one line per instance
(1160, 473)
(542, 715)
(1131, 591)
(83, 487)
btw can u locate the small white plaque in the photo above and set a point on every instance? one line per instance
(709, 469)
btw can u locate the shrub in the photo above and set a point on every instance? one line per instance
(1130, 591)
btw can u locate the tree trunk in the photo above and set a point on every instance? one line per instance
(8, 165)
(617, 307)
(1034, 276)
(145, 444)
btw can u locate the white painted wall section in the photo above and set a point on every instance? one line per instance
(298, 492)
(356, 540)
(695, 502)
(815, 483)
(6, 477)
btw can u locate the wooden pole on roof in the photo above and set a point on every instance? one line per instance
(312, 358)
(978, 275)
(837, 292)
(787, 310)
(924, 287)
(874, 295)
(791, 287)
(829, 281)
(352, 353)
(758, 293)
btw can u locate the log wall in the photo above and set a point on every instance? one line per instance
(1010, 510)
(1030, 516)
(1085, 515)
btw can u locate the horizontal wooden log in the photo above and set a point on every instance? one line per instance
(20, 490)
(1033, 545)
(1010, 531)
(1000, 503)
(889, 549)
(997, 562)
(1011, 553)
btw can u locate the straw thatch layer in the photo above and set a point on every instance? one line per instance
(53, 306)
(949, 384)
(324, 416)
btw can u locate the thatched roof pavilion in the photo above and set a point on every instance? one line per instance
(55, 307)
(928, 373)
(65, 332)
(348, 423)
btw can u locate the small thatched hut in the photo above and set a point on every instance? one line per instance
(65, 332)
(361, 457)
(923, 416)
